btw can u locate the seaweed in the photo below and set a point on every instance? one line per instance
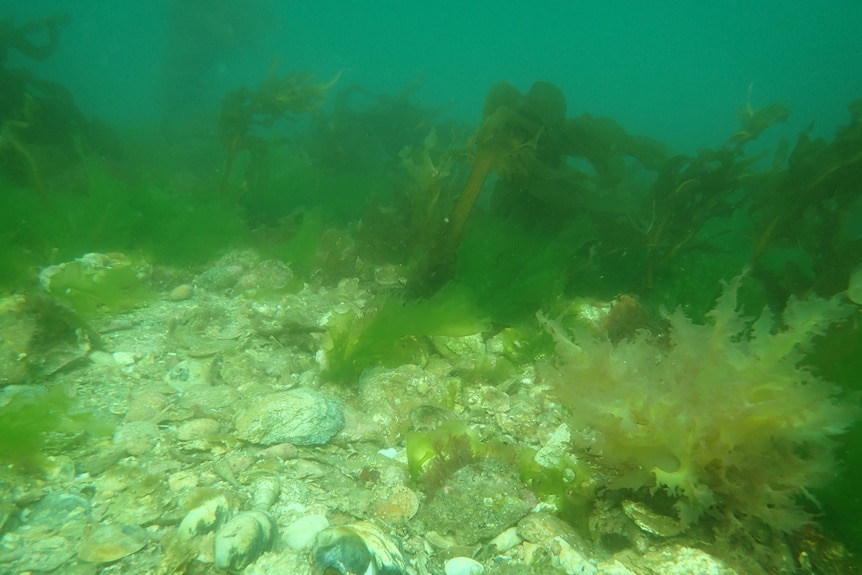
(815, 205)
(98, 283)
(394, 332)
(34, 420)
(728, 420)
(243, 110)
(519, 134)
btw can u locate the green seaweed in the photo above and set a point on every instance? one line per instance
(512, 272)
(162, 225)
(98, 283)
(34, 420)
(395, 333)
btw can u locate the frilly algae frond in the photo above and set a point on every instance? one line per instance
(726, 419)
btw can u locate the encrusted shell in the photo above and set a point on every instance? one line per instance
(243, 539)
(204, 518)
(357, 549)
(266, 491)
(112, 542)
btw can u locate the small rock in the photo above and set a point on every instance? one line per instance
(189, 373)
(268, 275)
(198, 429)
(101, 358)
(124, 357)
(101, 461)
(181, 292)
(463, 566)
(146, 406)
(506, 540)
(137, 437)
(396, 506)
(66, 513)
(300, 416)
(572, 561)
(281, 451)
(614, 567)
(476, 502)
(681, 560)
(540, 528)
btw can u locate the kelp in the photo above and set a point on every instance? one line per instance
(527, 141)
(365, 129)
(815, 205)
(243, 110)
(39, 121)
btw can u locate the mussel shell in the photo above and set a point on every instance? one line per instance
(357, 549)
(243, 539)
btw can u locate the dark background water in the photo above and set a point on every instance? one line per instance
(675, 70)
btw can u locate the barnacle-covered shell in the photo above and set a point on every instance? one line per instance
(204, 518)
(357, 549)
(243, 539)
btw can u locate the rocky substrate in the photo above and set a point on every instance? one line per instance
(230, 452)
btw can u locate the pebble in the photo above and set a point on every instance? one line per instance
(299, 416)
(463, 566)
(181, 292)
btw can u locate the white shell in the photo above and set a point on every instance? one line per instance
(243, 539)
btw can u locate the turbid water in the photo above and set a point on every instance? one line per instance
(440, 288)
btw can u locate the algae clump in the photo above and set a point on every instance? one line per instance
(96, 283)
(726, 419)
(34, 420)
(391, 335)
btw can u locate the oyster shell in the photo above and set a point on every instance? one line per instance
(357, 549)
(204, 518)
(243, 539)
(112, 542)
(650, 521)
